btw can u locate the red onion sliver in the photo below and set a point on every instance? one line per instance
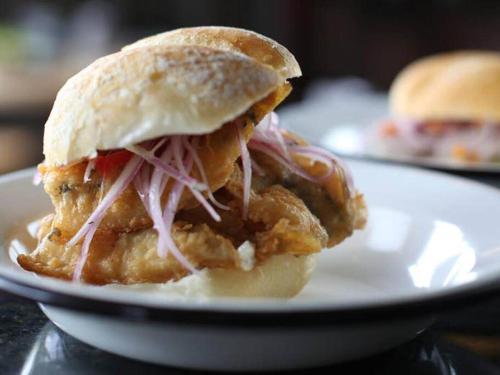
(247, 170)
(156, 187)
(37, 178)
(186, 180)
(166, 157)
(172, 203)
(141, 182)
(269, 138)
(177, 146)
(116, 189)
(88, 170)
(199, 165)
(168, 219)
(84, 253)
(257, 168)
(270, 151)
(279, 136)
(417, 141)
(317, 153)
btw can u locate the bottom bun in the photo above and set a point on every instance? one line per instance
(280, 276)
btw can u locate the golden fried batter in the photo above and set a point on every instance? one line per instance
(286, 214)
(278, 222)
(75, 200)
(130, 258)
(339, 213)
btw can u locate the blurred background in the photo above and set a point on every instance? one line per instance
(43, 43)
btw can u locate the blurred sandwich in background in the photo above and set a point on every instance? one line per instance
(445, 106)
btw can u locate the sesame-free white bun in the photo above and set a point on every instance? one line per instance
(280, 276)
(249, 43)
(161, 89)
(462, 85)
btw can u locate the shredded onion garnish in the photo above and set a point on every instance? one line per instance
(247, 170)
(88, 170)
(167, 169)
(439, 138)
(276, 143)
(37, 178)
(89, 228)
(150, 174)
(169, 215)
(201, 170)
(178, 154)
(257, 168)
(168, 163)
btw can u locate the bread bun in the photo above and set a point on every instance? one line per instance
(186, 81)
(463, 85)
(280, 276)
(249, 43)
(143, 93)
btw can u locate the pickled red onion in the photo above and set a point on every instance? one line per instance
(37, 178)
(247, 170)
(168, 219)
(271, 151)
(157, 185)
(176, 162)
(150, 158)
(201, 170)
(177, 145)
(88, 170)
(257, 168)
(270, 139)
(89, 228)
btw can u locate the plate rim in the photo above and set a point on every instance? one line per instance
(298, 317)
(411, 307)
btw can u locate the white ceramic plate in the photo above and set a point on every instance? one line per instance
(432, 244)
(350, 140)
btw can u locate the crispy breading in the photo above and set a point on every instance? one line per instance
(278, 222)
(339, 213)
(286, 214)
(75, 200)
(130, 258)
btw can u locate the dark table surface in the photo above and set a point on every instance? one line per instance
(463, 342)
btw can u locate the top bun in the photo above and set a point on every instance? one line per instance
(249, 43)
(463, 85)
(160, 89)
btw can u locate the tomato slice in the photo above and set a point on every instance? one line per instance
(106, 163)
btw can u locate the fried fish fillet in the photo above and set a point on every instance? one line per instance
(278, 223)
(74, 200)
(339, 213)
(129, 258)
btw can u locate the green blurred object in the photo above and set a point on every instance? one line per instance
(13, 46)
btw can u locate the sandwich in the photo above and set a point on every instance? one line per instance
(166, 165)
(446, 106)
